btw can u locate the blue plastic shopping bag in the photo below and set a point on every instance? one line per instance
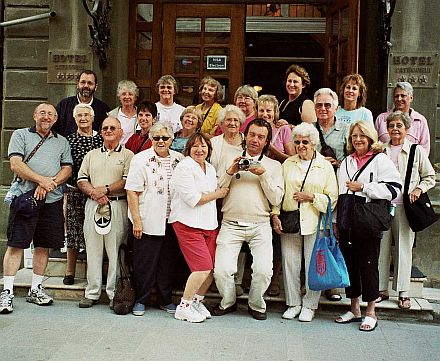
(327, 265)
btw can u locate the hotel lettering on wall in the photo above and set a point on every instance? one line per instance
(418, 68)
(64, 66)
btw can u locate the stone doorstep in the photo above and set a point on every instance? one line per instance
(55, 287)
(56, 267)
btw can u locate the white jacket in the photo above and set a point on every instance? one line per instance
(380, 178)
(149, 177)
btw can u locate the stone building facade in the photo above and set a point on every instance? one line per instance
(28, 68)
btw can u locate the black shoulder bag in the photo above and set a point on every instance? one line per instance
(420, 213)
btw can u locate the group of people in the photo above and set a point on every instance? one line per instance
(197, 183)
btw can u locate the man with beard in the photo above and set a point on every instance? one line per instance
(86, 87)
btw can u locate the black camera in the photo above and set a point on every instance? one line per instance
(246, 163)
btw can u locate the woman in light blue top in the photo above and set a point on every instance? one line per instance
(353, 91)
(192, 120)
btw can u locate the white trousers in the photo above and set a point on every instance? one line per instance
(229, 242)
(403, 237)
(95, 244)
(291, 252)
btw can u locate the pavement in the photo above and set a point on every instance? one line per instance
(65, 332)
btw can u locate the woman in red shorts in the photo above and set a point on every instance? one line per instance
(194, 218)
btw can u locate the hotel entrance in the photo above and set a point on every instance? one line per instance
(241, 43)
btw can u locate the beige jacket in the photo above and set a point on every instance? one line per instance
(423, 174)
(321, 181)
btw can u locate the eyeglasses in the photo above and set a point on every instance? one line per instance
(325, 105)
(112, 128)
(395, 125)
(242, 98)
(163, 137)
(298, 142)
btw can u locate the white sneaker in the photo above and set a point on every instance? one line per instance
(306, 314)
(39, 297)
(188, 313)
(6, 305)
(201, 308)
(291, 312)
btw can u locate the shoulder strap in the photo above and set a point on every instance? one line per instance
(40, 143)
(321, 136)
(142, 144)
(364, 166)
(409, 167)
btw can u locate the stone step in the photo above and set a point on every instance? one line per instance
(56, 267)
(420, 307)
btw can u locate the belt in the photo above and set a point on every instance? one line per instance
(117, 198)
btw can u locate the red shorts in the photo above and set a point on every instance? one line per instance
(197, 245)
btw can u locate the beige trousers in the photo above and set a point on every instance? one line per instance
(229, 241)
(403, 237)
(96, 243)
(291, 252)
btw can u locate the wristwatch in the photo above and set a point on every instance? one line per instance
(107, 188)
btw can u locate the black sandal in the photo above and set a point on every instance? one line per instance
(382, 297)
(69, 280)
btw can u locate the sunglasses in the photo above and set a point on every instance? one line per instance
(298, 142)
(325, 105)
(164, 138)
(111, 128)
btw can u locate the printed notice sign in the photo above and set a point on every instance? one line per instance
(216, 62)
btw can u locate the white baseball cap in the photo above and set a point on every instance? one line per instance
(102, 218)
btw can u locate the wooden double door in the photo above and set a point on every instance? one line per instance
(190, 41)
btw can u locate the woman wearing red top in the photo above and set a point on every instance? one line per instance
(146, 116)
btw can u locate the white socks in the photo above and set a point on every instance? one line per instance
(36, 280)
(198, 298)
(8, 283)
(185, 303)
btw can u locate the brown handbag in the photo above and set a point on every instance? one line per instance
(125, 295)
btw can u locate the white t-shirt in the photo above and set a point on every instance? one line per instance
(128, 125)
(170, 114)
(351, 116)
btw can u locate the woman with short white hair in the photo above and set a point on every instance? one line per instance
(81, 142)
(127, 93)
(308, 180)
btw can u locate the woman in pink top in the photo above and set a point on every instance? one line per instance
(281, 146)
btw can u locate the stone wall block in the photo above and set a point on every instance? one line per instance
(18, 114)
(38, 28)
(27, 84)
(22, 53)
(34, 3)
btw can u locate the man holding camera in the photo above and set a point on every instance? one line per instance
(255, 183)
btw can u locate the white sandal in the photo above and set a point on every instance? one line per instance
(370, 322)
(348, 317)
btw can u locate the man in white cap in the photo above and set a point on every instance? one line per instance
(102, 178)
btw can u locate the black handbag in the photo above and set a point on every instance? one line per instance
(420, 214)
(125, 295)
(354, 212)
(290, 219)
